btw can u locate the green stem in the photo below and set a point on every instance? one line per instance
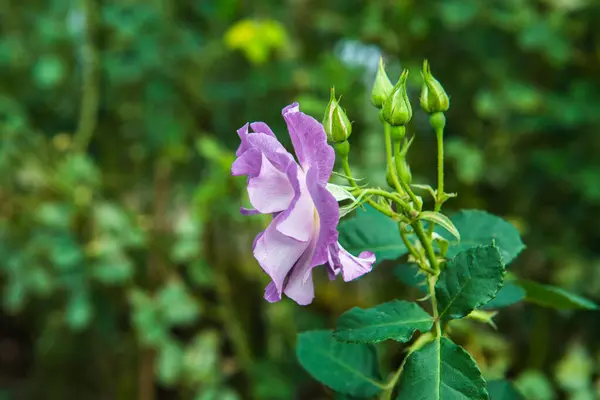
(390, 196)
(90, 79)
(436, 317)
(426, 243)
(439, 134)
(421, 263)
(347, 172)
(388, 153)
(389, 387)
(376, 206)
(405, 186)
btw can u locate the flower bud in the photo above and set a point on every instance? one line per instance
(483, 316)
(404, 172)
(382, 86)
(336, 123)
(389, 176)
(396, 108)
(433, 97)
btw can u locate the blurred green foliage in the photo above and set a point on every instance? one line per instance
(125, 268)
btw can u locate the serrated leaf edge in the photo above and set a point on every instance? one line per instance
(484, 302)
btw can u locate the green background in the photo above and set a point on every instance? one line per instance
(125, 268)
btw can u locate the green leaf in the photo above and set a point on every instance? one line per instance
(576, 370)
(503, 390)
(79, 310)
(479, 228)
(535, 385)
(346, 368)
(146, 319)
(468, 281)
(169, 363)
(396, 320)
(113, 270)
(340, 192)
(216, 393)
(441, 370)
(442, 243)
(507, 296)
(553, 297)
(201, 358)
(64, 252)
(177, 304)
(428, 188)
(370, 230)
(55, 215)
(441, 220)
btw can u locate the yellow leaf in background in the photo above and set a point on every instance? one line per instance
(274, 33)
(256, 38)
(240, 33)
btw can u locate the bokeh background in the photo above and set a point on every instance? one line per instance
(125, 268)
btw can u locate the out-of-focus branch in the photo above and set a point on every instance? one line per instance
(156, 267)
(90, 85)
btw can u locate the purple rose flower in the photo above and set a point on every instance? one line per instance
(303, 233)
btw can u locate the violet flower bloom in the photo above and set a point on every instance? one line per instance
(303, 233)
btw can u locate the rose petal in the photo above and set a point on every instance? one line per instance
(310, 142)
(247, 164)
(271, 294)
(277, 253)
(258, 236)
(261, 127)
(352, 267)
(272, 149)
(299, 219)
(271, 191)
(328, 216)
(248, 211)
(243, 134)
(300, 287)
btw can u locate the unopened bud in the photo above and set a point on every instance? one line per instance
(483, 316)
(382, 86)
(389, 176)
(336, 123)
(404, 172)
(433, 97)
(396, 108)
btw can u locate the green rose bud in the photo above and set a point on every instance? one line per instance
(336, 123)
(404, 172)
(433, 97)
(396, 108)
(382, 86)
(389, 176)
